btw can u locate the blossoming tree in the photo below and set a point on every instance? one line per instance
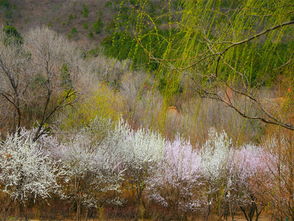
(248, 167)
(26, 172)
(177, 182)
(94, 172)
(214, 158)
(139, 152)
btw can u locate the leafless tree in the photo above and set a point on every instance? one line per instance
(15, 77)
(36, 78)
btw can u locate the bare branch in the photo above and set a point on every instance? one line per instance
(227, 101)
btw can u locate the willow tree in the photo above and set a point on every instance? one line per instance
(228, 48)
(241, 45)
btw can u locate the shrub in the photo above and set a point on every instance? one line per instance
(27, 173)
(101, 103)
(91, 34)
(85, 26)
(12, 36)
(73, 32)
(98, 26)
(215, 154)
(177, 183)
(5, 4)
(85, 11)
(139, 152)
(94, 173)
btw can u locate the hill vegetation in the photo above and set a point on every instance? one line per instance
(146, 109)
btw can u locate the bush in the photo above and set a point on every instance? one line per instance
(91, 166)
(5, 4)
(177, 184)
(102, 102)
(27, 172)
(12, 36)
(93, 171)
(98, 26)
(85, 26)
(73, 32)
(85, 11)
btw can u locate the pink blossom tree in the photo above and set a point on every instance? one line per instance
(248, 167)
(177, 182)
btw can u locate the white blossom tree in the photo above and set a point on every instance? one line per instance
(139, 151)
(215, 154)
(26, 172)
(94, 171)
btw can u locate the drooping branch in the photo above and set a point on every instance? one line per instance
(269, 119)
(267, 116)
(220, 54)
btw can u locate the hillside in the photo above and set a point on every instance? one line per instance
(79, 20)
(164, 110)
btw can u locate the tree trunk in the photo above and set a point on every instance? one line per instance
(78, 212)
(22, 212)
(87, 212)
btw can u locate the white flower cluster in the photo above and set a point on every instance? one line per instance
(26, 172)
(137, 147)
(215, 154)
(91, 168)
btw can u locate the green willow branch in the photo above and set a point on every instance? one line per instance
(220, 54)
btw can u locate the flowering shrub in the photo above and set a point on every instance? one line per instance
(93, 171)
(187, 180)
(26, 172)
(177, 182)
(92, 166)
(215, 154)
(139, 152)
(247, 168)
(137, 148)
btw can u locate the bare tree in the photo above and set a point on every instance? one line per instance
(36, 78)
(14, 77)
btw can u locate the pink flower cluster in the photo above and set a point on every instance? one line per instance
(189, 179)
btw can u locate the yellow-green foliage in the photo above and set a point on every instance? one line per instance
(103, 103)
(288, 105)
(187, 39)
